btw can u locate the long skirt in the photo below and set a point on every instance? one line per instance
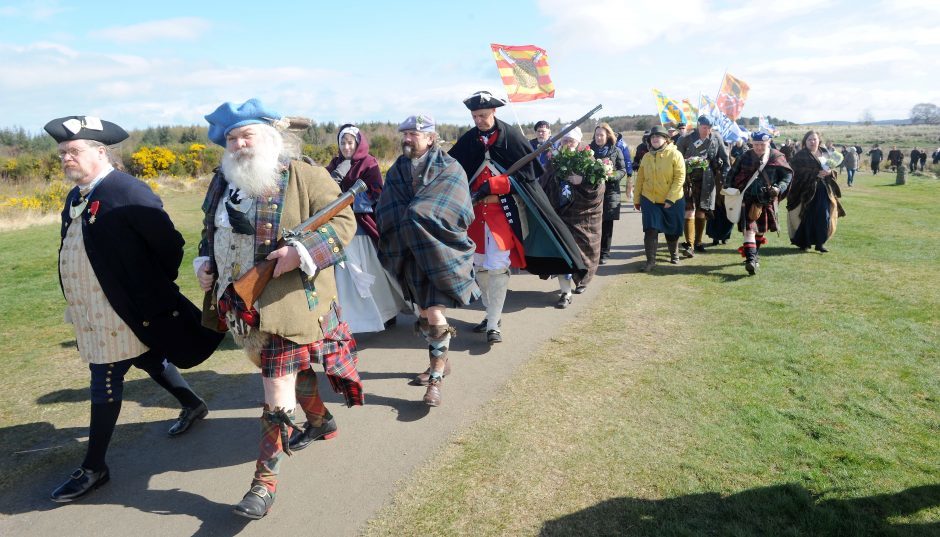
(814, 224)
(666, 221)
(368, 295)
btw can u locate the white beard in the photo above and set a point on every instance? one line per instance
(253, 170)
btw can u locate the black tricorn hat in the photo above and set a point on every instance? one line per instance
(483, 99)
(66, 129)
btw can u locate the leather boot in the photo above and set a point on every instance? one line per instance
(650, 245)
(749, 251)
(699, 231)
(194, 408)
(432, 397)
(673, 251)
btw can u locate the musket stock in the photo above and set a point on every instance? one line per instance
(251, 284)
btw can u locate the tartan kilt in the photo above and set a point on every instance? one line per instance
(336, 352)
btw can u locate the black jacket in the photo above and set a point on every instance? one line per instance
(135, 252)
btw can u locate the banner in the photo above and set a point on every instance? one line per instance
(691, 113)
(726, 127)
(525, 72)
(669, 110)
(763, 125)
(731, 96)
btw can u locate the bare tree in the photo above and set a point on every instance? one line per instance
(925, 113)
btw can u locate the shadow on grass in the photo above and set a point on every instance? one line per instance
(777, 510)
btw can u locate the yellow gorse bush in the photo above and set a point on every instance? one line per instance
(149, 162)
(46, 199)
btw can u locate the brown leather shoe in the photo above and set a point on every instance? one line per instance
(421, 379)
(433, 396)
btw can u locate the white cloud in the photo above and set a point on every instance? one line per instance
(33, 10)
(183, 28)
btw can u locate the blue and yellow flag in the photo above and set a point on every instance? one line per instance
(669, 110)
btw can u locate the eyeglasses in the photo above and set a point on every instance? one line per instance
(73, 152)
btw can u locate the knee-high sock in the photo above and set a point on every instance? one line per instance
(689, 230)
(483, 281)
(699, 229)
(438, 344)
(499, 282)
(172, 381)
(271, 451)
(103, 419)
(308, 395)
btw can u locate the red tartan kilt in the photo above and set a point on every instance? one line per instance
(283, 357)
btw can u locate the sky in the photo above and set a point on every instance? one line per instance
(172, 62)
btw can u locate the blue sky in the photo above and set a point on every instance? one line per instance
(172, 62)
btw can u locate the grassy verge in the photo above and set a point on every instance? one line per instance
(699, 401)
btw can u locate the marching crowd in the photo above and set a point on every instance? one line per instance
(440, 230)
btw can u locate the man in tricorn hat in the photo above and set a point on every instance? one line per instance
(118, 259)
(423, 215)
(261, 189)
(485, 152)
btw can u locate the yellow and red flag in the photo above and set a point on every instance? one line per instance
(731, 96)
(525, 72)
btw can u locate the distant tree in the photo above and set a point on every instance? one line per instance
(925, 113)
(866, 118)
(189, 136)
(642, 124)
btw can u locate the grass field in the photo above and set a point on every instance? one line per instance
(694, 401)
(701, 401)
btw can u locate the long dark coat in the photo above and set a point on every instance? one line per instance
(550, 231)
(135, 252)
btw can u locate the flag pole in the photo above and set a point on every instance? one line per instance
(515, 115)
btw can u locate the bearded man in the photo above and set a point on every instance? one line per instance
(261, 189)
(119, 257)
(423, 215)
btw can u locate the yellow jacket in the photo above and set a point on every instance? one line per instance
(661, 176)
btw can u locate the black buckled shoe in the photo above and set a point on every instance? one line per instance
(481, 328)
(256, 503)
(81, 482)
(301, 439)
(494, 336)
(564, 300)
(580, 289)
(187, 417)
